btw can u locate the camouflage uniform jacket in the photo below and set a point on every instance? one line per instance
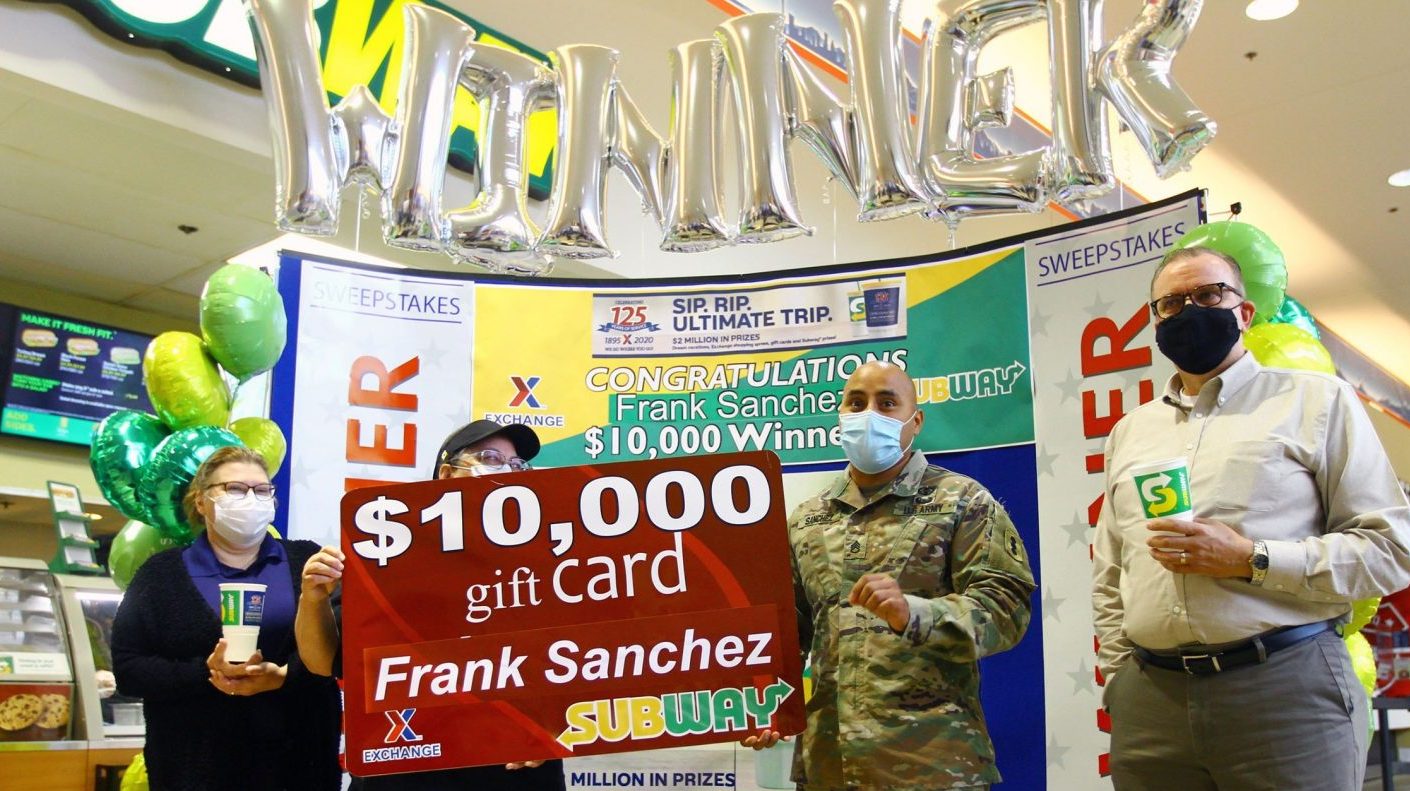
(901, 711)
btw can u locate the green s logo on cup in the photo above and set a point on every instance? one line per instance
(1164, 489)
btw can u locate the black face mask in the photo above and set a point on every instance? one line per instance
(1197, 339)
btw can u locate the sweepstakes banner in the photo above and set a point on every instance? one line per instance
(379, 377)
(1020, 339)
(1094, 360)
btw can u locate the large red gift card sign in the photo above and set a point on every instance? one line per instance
(565, 612)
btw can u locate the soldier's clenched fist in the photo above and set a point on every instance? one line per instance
(881, 595)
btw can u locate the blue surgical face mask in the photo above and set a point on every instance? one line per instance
(872, 441)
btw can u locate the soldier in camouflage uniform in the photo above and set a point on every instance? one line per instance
(904, 578)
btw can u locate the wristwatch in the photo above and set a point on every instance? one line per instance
(1258, 563)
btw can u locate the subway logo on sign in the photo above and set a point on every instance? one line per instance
(673, 714)
(361, 44)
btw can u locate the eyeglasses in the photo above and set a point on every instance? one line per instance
(1206, 296)
(489, 457)
(238, 489)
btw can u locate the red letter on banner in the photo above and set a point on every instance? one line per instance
(378, 452)
(383, 397)
(1119, 358)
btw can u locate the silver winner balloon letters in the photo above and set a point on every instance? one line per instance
(891, 165)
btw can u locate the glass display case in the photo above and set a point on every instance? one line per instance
(36, 680)
(90, 605)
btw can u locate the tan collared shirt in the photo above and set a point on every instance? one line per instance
(1286, 457)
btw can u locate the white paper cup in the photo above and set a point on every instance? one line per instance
(240, 643)
(241, 613)
(242, 603)
(1163, 489)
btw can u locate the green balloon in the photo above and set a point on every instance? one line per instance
(183, 383)
(1264, 270)
(166, 476)
(122, 445)
(242, 320)
(133, 544)
(1295, 313)
(1286, 346)
(263, 437)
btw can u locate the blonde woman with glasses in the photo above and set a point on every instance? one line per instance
(262, 723)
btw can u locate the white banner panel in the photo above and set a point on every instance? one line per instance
(1094, 359)
(382, 375)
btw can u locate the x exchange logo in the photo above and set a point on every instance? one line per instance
(525, 396)
(401, 727)
(401, 732)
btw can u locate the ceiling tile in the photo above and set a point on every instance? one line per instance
(166, 302)
(59, 278)
(191, 283)
(83, 249)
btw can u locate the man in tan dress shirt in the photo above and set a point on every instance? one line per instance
(1217, 635)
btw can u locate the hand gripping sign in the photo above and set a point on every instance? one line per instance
(573, 611)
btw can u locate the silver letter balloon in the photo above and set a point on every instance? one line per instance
(867, 140)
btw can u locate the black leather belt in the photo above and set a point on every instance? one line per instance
(1202, 662)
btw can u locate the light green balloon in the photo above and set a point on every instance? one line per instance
(242, 320)
(1261, 262)
(1286, 346)
(185, 388)
(1363, 660)
(263, 437)
(1363, 611)
(133, 544)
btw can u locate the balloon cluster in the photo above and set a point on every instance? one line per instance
(1283, 335)
(143, 463)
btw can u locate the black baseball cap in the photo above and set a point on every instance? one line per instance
(523, 438)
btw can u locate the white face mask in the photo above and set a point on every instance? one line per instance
(241, 521)
(481, 470)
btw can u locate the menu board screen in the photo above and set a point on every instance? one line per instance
(66, 375)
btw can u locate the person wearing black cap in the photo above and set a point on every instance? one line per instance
(484, 447)
(481, 447)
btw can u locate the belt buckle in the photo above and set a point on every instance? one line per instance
(1213, 660)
